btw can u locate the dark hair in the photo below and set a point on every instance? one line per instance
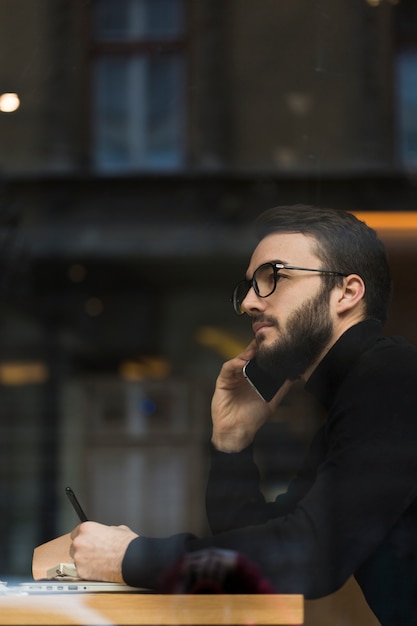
(343, 243)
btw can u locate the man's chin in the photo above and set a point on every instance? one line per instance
(279, 363)
(264, 345)
(266, 357)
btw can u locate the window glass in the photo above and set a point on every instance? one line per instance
(407, 100)
(138, 112)
(133, 19)
(163, 114)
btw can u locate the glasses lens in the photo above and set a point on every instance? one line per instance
(239, 294)
(265, 280)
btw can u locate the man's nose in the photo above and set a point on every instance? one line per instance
(252, 302)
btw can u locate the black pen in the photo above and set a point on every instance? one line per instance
(77, 507)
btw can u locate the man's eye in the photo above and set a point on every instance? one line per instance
(269, 278)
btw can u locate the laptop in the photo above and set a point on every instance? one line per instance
(74, 586)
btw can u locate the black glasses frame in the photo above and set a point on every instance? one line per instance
(242, 288)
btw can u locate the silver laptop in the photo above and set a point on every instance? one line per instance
(74, 586)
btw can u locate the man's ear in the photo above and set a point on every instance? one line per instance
(351, 293)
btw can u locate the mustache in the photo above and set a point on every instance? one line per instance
(268, 319)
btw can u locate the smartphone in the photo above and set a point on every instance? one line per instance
(264, 384)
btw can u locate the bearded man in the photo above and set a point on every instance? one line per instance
(317, 290)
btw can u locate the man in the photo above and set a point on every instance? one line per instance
(317, 291)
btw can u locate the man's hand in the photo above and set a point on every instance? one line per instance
(237, 410)
(98, 550)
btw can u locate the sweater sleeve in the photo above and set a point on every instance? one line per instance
(234, 495)
(147, 559)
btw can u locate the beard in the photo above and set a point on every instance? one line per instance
(307, 332)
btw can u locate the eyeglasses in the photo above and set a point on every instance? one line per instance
(264, 282)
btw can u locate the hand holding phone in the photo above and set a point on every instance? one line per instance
(264, 383)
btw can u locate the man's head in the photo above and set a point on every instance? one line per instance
(314, 273)
(342, 243)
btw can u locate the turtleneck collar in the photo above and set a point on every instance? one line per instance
(330, 372)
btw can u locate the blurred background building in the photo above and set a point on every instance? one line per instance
(138, 140)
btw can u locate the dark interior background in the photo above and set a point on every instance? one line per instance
(149, 134)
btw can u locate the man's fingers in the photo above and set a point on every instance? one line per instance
(75, 532)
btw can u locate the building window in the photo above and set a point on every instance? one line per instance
(407, 110)
(138, 84)
(406, 72)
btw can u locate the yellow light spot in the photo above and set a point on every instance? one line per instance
(9, 102)
(146, 367)
(220, 341)
(392, 222)
(23, 373)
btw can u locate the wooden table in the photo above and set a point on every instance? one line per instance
(103, 609)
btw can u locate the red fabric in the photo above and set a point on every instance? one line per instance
(214, 571)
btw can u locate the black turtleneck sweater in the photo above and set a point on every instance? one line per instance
(352, 508)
